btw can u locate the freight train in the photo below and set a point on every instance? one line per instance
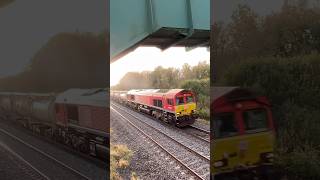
(174, 106)
(77, 117)
(243, 133)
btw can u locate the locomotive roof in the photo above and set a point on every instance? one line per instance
(154, 91)
(232, 93)
(92, 97)
(217, 92)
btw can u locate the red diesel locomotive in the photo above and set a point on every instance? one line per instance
(174, 106)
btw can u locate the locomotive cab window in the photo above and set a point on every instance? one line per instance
(157, 103)
(255, 120)
(72, 113)
(179, 101)
(190, 99)
(224, 125)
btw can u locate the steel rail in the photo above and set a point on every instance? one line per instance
(44, 154)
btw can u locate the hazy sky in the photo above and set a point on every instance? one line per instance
(26, 25)
(148, 58)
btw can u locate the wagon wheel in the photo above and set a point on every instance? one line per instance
(84, 146)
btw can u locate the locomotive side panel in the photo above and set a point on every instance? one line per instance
(94, 118)
(60, 115)
(100, 118)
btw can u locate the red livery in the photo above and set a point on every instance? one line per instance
(175, 106)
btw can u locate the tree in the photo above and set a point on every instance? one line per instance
(201, 71)
(244, 32)
(186, 71)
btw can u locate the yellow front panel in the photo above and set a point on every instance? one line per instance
(242, 150)
(185, 109)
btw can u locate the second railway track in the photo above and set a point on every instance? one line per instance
(61, 170)
(197, 163)
(100, 163)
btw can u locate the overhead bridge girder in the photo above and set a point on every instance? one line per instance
(160, 23)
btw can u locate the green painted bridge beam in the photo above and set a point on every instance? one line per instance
(160, 23)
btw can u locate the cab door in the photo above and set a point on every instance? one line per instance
(169, 103)
(226, 138)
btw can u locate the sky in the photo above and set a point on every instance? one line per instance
(148, 58)
(26, 25)
(223, 9)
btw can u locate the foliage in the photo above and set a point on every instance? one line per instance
(163, 78)
(201, 88)
(134, 176)
(120, 157)
(292, 31)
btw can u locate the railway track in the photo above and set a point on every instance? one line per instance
(198, 132)
(91, 159)
(184, 134)
(64, 169)
(200, 129)
(34, 173)
(195, 162)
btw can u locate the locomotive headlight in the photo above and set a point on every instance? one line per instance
(267, 157)
(220, 163)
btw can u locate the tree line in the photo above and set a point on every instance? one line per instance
(67, 60)
(292, 31)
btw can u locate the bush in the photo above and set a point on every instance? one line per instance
(201, 88)
(281, 79)
(204, 113)
(120, 157)
(302, 163)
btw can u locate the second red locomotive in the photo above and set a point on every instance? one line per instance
(76, 117)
